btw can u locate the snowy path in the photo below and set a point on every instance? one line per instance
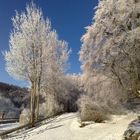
(66, 127)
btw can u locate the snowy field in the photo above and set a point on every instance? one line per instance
(66, 127)
(8, 126)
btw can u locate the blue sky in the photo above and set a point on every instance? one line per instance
(68, 17)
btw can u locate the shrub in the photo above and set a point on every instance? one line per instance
(51, 107)
(91, 111)
(25, 117)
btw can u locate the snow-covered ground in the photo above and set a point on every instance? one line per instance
(8, 126)
(66, 127)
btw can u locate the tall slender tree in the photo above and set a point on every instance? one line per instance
(31, 50)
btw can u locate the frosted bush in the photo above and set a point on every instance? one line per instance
(91, 111)
(25, 116)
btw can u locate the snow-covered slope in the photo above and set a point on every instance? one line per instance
(66, 127)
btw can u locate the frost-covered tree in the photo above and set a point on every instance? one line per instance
(110, 57)
(111, 45)
(35, 52)
(61, 93)
(25, 57)
(53, 79)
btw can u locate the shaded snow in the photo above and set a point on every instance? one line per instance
(8, 126)
(66, 127)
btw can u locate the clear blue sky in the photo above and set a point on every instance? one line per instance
(68, 17)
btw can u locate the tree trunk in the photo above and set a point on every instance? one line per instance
(37, 101)
(33, 94)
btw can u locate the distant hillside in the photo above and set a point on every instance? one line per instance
(12, 99)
